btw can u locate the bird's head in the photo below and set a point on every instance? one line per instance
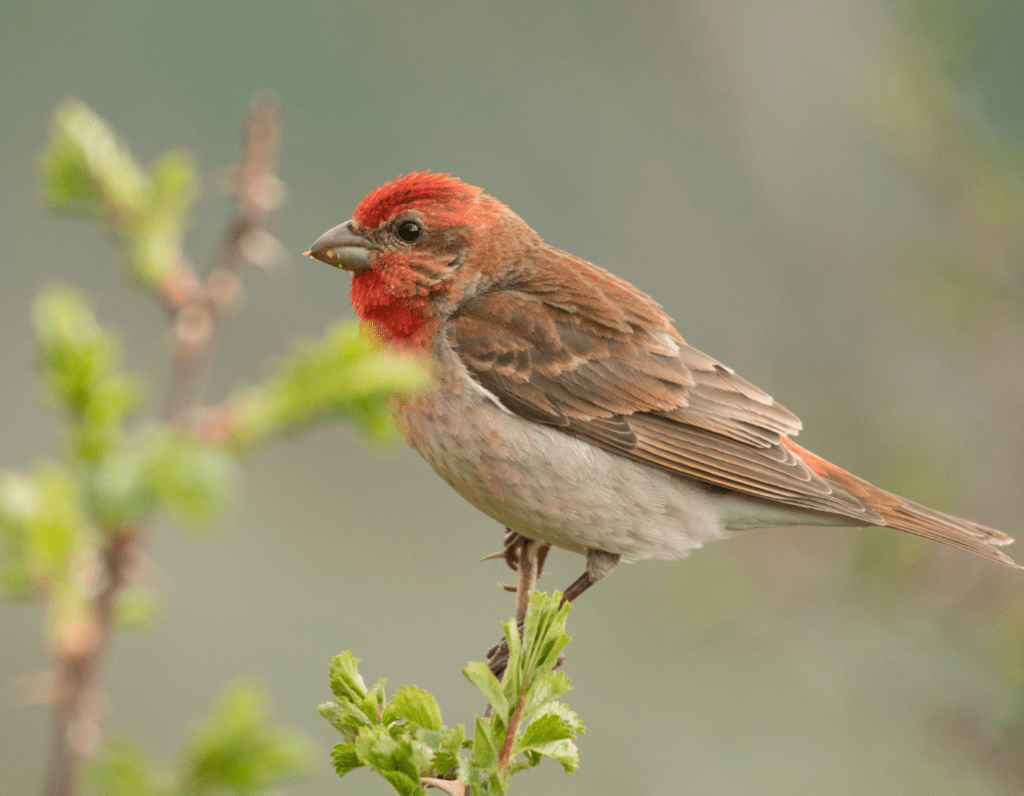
(418, 247)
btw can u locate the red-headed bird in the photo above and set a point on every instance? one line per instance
(566, 405)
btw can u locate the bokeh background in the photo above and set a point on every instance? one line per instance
(825, 196)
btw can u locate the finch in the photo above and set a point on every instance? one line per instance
(568, 408)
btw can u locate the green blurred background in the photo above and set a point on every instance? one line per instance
(821, 194)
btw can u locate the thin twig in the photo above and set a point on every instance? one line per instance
(197, 307)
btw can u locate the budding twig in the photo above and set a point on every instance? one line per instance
(196, 308)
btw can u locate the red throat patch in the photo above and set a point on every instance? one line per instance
(400, 316)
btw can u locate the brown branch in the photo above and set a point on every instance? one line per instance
(196, 308)
(81, 646)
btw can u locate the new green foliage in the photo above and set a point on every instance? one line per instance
(237, 749)
(404, 740)
(88, 171)
(344, 375)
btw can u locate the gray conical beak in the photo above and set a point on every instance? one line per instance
(343, 248)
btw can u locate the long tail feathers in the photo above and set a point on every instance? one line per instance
(923, 521)
(905, 515)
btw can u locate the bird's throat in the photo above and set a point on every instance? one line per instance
(385, 304)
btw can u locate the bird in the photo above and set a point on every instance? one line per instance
(566, 406)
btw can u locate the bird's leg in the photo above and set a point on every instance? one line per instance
(599, 564)
(525, 556)
(528, 574)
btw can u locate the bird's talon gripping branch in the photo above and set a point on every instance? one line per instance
(514, 543)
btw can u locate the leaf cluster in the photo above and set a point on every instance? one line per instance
(345, 375)
(404, 740)
(237, 749)
(89, 172)
(110, 481)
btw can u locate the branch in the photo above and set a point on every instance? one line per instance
(80, 654)
(196, 307)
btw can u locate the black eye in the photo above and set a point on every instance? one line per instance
(409, 231)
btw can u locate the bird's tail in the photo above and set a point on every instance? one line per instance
(905, 515)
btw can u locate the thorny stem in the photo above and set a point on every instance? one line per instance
(196, 309)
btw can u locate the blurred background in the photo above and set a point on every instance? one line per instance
(825, 196)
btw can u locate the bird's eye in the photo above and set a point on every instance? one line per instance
(409, 231)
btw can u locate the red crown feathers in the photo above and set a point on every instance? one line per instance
(446, 196)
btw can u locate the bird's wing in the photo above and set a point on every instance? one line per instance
(610, 369)
(597, 359)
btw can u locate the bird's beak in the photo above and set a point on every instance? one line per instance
(343, 248)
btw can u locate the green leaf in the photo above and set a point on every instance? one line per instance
(346, 717)
(79, 364)
(544, 630)
(353, 697)
(174, 182)
(163, 469)
(403, 783)
(191, 480)
(120, 488)
(568, 717)
(239, 749)
(375, 701)
(544, 688)
(478, 673)
(154, 243)
(120, 769)
(42, 530)
(550, 734)
(87, 170)
(346, 683)
(344, 375)
(19, 503)
(397, 760)
(445, 764)
(345, 759)
(544, 729)
(414, 705)
(565, 752)
(485, 753)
